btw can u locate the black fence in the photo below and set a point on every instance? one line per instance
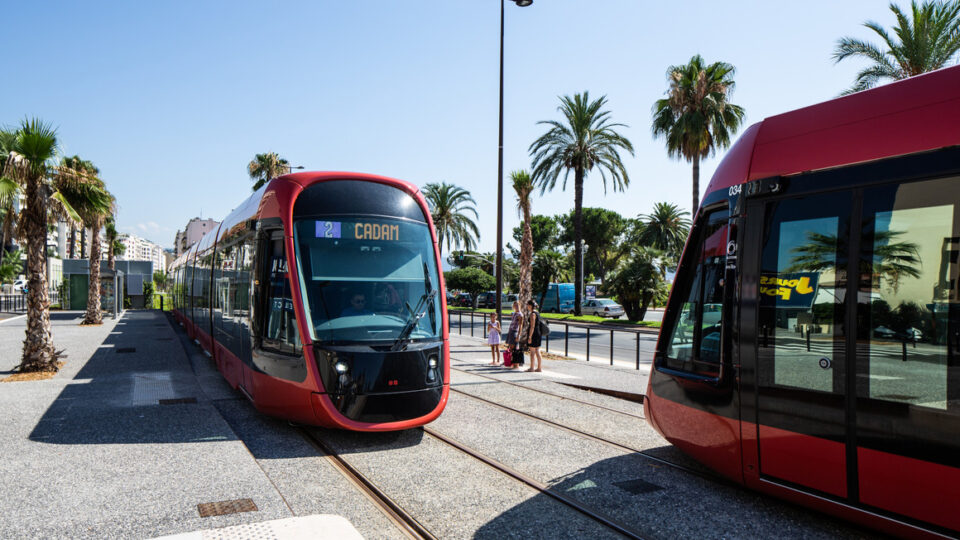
(554, 337)
(17, 302)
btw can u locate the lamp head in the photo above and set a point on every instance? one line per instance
(522, 3)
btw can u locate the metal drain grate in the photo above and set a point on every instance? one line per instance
(223, 508)
(637, 487)
(122, 350)
(177, 401)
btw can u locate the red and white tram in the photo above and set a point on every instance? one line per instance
(811, 345)
(321, 298)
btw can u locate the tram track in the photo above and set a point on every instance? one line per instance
(540, 487)
(538, 390)
(404, 521)
(412, 528)
(622, 447)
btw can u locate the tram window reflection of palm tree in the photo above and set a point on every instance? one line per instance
(891, 260)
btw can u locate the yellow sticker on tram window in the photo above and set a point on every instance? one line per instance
(376, 231)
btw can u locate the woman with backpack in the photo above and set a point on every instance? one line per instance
(533, 335)
(513, 337)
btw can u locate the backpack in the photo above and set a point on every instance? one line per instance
(544, 327)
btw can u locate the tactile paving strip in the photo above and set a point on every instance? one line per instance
(226, 507)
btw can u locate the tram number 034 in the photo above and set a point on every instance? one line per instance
(361, 231)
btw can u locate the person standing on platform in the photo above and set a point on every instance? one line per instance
(513, 336)
(493, 338)
(533, 336)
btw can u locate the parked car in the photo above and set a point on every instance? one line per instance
(463, 300)
(602, 307)
(884, 332)
(914, 334)
(20, 285)
(487, 299)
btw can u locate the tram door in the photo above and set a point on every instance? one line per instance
(799, 281)
(857, 349)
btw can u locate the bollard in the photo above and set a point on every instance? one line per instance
(566, 339)
(471, 324)
(548, 339)
(588, 344)
(161, 303)
(904, 351)
(638, 349)
(808, 341)
(460, 323)
(611, 347)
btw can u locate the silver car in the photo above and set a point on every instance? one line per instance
(602, 307)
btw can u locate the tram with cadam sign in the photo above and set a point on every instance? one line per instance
(810, 348)
(321, 299)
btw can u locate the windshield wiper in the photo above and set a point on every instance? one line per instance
(413, 319)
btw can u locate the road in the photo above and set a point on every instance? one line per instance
(630, 347)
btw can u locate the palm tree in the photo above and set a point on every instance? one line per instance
(925, 41)
(523, 186)
(266, 167)
(77, 180)
(665, 229)
(30, 163)
(586, 140)
(9, 190)
(696, 117)
(114, 246)
(892, 260)
(449, 206)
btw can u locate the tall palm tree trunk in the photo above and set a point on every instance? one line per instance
(7, 233)
(38, 351)
(73, 241)
(578, 239)
(94, 315)
(696, 184)
(526, 259)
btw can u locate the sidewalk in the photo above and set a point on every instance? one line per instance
(621, 377)
(95, 453)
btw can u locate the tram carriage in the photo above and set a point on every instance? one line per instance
(321, 299)
(810, 348)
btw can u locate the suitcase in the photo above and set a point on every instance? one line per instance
(507, 355)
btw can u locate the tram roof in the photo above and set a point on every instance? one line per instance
(904, 117)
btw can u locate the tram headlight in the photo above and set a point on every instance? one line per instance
(341, 367)
(432, 362)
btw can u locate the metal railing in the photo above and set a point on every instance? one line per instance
(17, 302)
(457, 316)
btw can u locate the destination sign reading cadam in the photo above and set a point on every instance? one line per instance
(358, 231)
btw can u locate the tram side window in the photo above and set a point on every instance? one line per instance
(280, 328)
(911, 242)
(694, 343)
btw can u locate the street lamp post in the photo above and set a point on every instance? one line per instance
(519, 3)
(290, 168)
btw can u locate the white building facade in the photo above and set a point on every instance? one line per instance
(141, 249)
(192, 234)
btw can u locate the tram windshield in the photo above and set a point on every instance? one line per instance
(368, 279)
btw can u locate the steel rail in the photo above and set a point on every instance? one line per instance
(638, 416)
(407, 524)
(540, 487)
(623, 447)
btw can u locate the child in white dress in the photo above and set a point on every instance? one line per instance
(493, 339)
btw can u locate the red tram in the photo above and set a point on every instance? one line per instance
(322, 299)
(811, 345)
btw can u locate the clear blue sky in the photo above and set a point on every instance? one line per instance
(171, 100)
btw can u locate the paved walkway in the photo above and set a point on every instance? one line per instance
(91, 453)
(135, 432)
